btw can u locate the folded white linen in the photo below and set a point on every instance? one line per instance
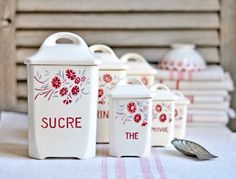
(207, 119)
(225, 84)
(205, 92)
(207, 112)
(216, 106)
(211, 73)
(207, 99)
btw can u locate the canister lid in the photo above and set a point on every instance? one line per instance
(109, 60)
(53, 53)
(138, 65)
(130, 88)
(179, 98)
(162, 92)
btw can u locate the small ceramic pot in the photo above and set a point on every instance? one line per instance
(130, 119)
(62, 97)
(162, 115)
(183, 57)
(181, 104)
(139, 68)
(111, 70)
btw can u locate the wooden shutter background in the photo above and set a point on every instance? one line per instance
(147, 27)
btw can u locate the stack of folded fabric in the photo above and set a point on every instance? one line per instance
(208, 92)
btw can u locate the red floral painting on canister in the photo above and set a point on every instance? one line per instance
(162, 111)
(133, 111)
(69, 85)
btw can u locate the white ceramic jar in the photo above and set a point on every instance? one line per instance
(130, 119)
(139, 68)
(111, 70)
(162, 115)
(62, 99)
(183, 57)
(181, 104)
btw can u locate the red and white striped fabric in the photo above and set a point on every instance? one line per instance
(211, 73)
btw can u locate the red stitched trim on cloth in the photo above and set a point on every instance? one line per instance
(159, 165)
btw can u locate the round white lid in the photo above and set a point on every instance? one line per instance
(138, 65)
(161, 92)
(109, 60)
(53, 53)
(179, 98)
(130, 88)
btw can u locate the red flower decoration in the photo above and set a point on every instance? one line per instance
(56, 82)
(67, 101)
(107, 78)
(83, 78)
(77, 80)
(137, 118)
(158, 108)
(144, 79)
(163, 117)
(131, 107)
(144, 123)
(100, 92)
(75, 90)
(70, 74)
(63, 91)
(176, 113)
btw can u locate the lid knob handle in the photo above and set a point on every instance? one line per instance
(101, 48)
(52, 39)
(178, 93)
(159, 86)
(133, 57)
(128, 80)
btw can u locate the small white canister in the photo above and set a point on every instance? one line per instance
(139, 68)
(62, 99)
(162, 115)
(111, 71)
(181, 104)
(130, 119)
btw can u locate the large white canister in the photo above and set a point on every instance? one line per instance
(130, 119)
(162, 115)
(139, 68)
(111, 71)
(181, 104)
(62, 99)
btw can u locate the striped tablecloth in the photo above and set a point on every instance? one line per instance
(163, 163)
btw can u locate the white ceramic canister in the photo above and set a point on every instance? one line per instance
(131, 119)
(111, 71)
(62, 99)
(181, 104)
(162, 115)
(139, 68)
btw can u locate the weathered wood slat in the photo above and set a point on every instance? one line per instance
(116, 5)
(130, 38)
(210, 54)
(22, 105)
(117, 21)
(228, 40)
(7, 55)
(22, 89)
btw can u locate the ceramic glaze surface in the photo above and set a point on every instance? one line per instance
(183, 57)
(62, 99)
(130, 119)
(111, 71)
(162, 122)
(107, 79)
(131, 127)
(180, 120)
(139, 68)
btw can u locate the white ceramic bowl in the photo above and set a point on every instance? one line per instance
(183, 57)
